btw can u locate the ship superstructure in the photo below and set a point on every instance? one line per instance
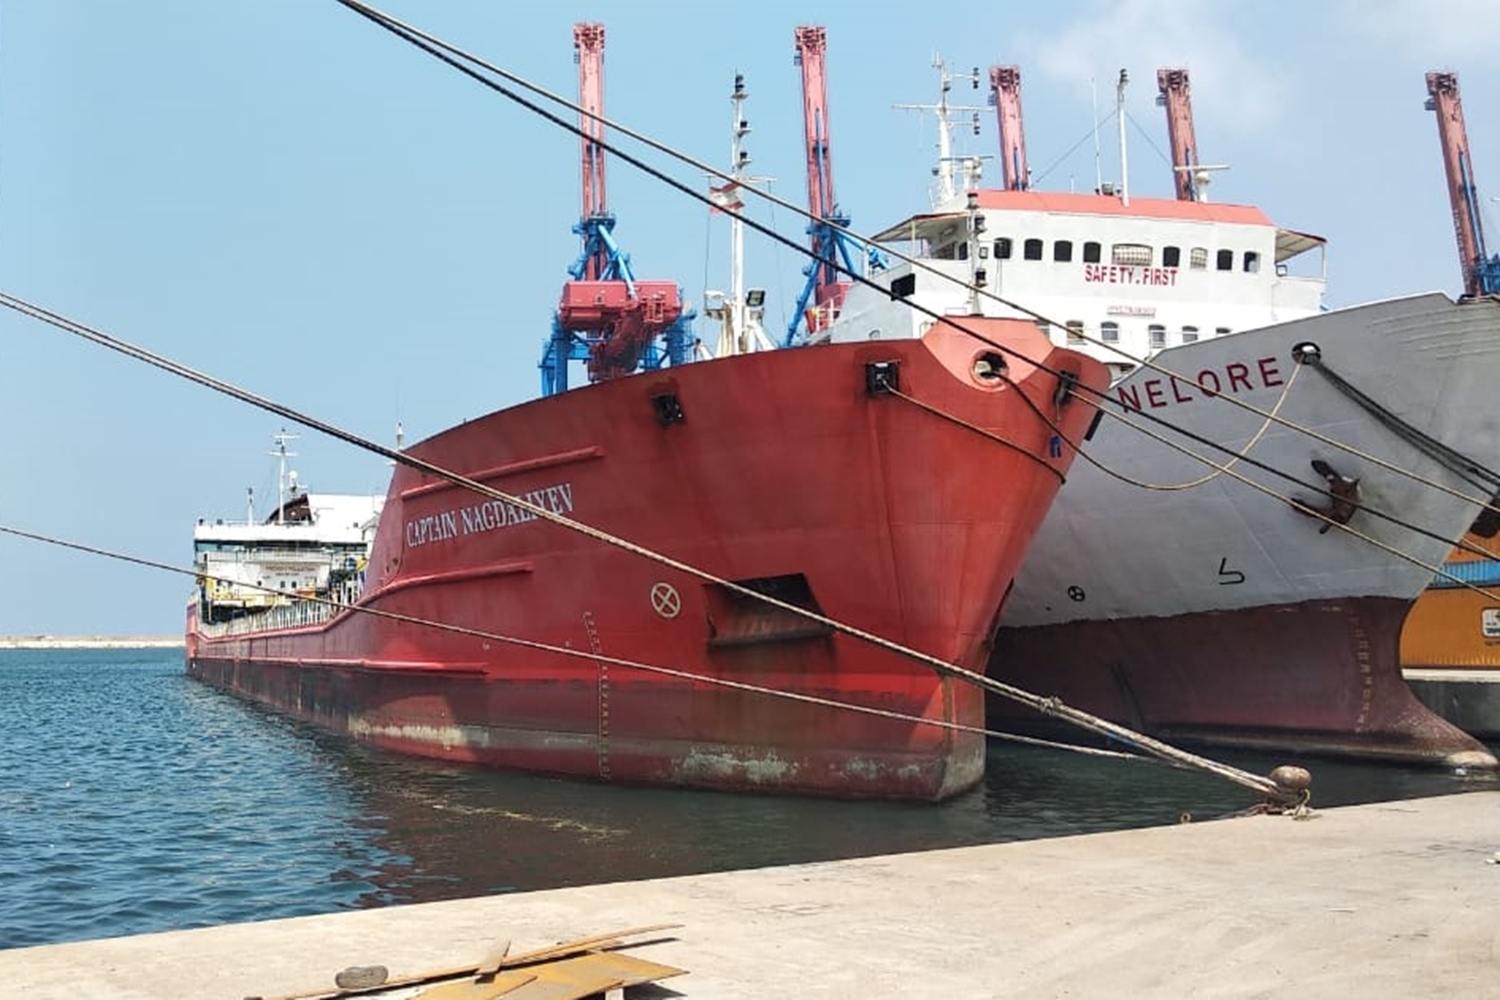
(1137, 274)
(311, 545)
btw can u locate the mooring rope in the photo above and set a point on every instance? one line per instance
(1450, 458)
(454, 56)
(1049, 706)
(982, 432)
(1217, 470)
(1226, 469)
(359, 607)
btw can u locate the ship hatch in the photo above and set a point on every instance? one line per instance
(736, 619)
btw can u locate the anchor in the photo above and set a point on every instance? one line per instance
(1342, 502)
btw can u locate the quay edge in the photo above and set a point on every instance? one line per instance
(1388, 899)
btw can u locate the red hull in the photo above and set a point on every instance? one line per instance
(783, 466)
(1319, 677)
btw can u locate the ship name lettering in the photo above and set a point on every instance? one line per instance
(431, 528)
(490, 515)
(1129, 274)
(1234, 377)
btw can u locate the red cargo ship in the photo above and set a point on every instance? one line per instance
(857, 477)
(784, 471)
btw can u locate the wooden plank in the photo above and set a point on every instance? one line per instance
(492, 962)
(503, 986)
(563, 949)
(583, 975)
(577, 945)
(629, 970)
(541, 989)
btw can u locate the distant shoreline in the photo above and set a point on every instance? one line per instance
(89, 641)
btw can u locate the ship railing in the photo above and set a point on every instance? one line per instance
(297, 614)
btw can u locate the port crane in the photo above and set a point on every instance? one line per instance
(1005, 95)
(1481, 271)
(823, 294)
(1188, 176)
(608, 317)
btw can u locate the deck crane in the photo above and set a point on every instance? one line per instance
(1481, 271)
(823, 294)
(607, 316)
(1005, 95)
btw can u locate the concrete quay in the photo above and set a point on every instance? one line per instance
(1398, 899)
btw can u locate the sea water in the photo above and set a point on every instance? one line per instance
(133, 799)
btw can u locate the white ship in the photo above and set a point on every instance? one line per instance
(312, 545)
(1250, 593)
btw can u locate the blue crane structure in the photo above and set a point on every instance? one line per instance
(823, 294)
(608, 318)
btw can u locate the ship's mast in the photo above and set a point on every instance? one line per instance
(739, 316)
(1120, 117)
(1005, 95)
(738, 158)
(281, 454)
(1481, 271)
(949, 167)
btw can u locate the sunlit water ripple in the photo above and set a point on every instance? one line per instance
(133, 800)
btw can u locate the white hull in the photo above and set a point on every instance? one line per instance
(1222, 613)
(1111, 550)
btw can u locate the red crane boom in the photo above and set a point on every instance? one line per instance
(1481, 273)
(588, 45)
(828, 290)
(1005, 93)
(1173, 85)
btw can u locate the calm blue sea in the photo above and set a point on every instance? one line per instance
(133, 800)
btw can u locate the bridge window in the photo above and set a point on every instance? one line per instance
(1252, 262)
(1225, 260)
(1220, 331)
(1189, 334)
(1198, 258)
(1171, 256)
(1091, 253)
(1002, 248)
(1062, 251)
(1075, 331)
(1158, 335)
(1130, 253)
(1109, 332)
(1033, 250)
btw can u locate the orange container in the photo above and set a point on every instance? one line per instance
(1453, 626)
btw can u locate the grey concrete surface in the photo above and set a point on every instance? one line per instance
(1396, 899)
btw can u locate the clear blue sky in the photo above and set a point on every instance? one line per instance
(291, 199)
